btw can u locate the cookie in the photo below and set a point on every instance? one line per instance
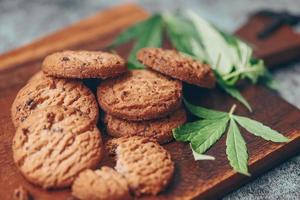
(83, 64)
(177, 65)
(140, 95)
(42, 91)
(159, 130)
(53, 145)
(146, 165)
(104, 184)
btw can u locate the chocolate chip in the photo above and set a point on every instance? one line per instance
(58, 129)
(30, 103)
(65, 59)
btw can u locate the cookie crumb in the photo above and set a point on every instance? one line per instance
(21, 193)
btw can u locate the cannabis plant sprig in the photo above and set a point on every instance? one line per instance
(203, 134)
(230, 58)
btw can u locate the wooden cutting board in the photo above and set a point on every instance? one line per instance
(201, 179)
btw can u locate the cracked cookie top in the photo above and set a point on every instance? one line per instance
(177, 65)
(83, 64)
(145, 164)
(101, 184)
(159, 130)
(42, 91)
(53, 145)
(140, 95)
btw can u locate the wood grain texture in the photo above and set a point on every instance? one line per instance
(201, 179)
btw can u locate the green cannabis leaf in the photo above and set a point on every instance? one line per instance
(208, 135)
(183, 35)
(230, 58)
(206, 132)
(231, 90)
(187, 131)
(129, 34)
(236, 149)
(147, 33)
(260, 130)
(204, 112)
(152, 37)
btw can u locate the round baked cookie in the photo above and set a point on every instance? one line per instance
(42, 91)
(177, 65)
(53, 145)
(140, 95)
(103, 184)
(159, 130)
(145, 164)
(83, 64)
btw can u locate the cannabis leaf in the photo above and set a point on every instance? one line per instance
(214, 45)
(204, 133)
(204, 112)
(129, 34)
(209, 135)
(146, 34)
(230, 58)
(236, 149)
(187, 131)
(233, 91)
(183, 35)
(260, 130)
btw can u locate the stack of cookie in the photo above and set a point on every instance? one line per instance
(148, 102)
(142, 102)
(56, 115)
(57, 142)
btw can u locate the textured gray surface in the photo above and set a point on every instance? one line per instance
(21, 21)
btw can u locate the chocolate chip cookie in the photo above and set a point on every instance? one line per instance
(159, 130)
(140, 95)
(177, 65)
(83, 64)
(145, 164)
(42, 91)
(102, 184)
(53, 145)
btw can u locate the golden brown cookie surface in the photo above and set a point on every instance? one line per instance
(83, 64)
(102, 184)
(140, 95)
(145, 164)
(159, 130)
(54, 144)
(178, 66)
(42, 91)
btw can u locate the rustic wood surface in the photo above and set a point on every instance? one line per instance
(282, 47)
(202, 179)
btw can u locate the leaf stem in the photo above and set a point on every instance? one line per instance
(238, 72)
(218, 62)
(232, 109)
